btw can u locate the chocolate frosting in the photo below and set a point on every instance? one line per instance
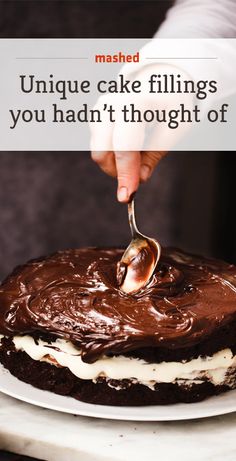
(74, 294)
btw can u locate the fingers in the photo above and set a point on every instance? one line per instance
(128, 174)
(106, 161)
(128, 161)
(149, 161)
(129, 167)
(101, 141)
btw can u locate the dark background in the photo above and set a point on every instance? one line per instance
(54, 200)
(6, 456)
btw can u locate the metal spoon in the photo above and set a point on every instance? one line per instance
(139, 260)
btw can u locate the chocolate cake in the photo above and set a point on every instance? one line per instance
(66, 327)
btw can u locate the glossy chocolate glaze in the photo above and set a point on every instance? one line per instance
(74, 294)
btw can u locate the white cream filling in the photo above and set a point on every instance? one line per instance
(213, 368)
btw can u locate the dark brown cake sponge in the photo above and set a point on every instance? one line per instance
(61, 381)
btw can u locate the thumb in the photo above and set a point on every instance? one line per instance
(128, 174)
(149, 161)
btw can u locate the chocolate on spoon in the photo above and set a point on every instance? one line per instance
(139, 260)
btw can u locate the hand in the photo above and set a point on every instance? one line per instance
(130, 168)
(118, 159)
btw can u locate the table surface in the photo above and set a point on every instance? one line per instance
(54, 436)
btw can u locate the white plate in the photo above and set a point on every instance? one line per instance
(219, 405)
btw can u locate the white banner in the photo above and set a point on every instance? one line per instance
(118, 94)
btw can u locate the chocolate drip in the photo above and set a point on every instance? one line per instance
(74, 294)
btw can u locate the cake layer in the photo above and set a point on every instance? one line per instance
(107, 392)
(74, 295)
(64, 354)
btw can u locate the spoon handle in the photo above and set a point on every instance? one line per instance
(132, 220)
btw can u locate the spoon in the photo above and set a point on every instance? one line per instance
(139, 260)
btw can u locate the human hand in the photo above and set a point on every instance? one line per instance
(118, 159)
(130, 168)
